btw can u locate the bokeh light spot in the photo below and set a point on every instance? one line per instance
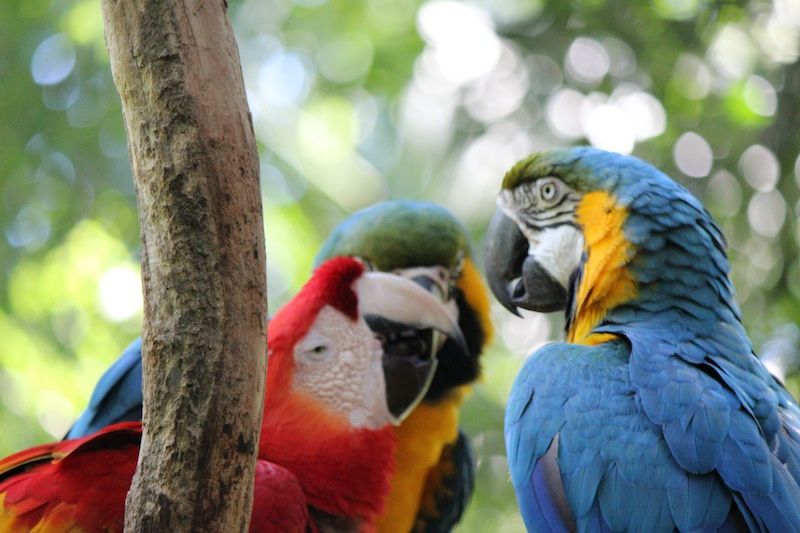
(545, 74)
(732, 52)
(30, 228)
(608, 128)
(778, 38)
(760, 96)
(587, 61)
(797, 170)
(622, 59)
(345, 58)
(462, 38)
(724, 193)
(693, 155)
(120, 293)
(84, 22)
(645, 113)
(53, 60)
(426, 118)
(788, 10)
(760, 168)
(284, 79)
(766, 213)
(500, 92)
(692, 77)
(677, 9)
(62, 95)
(563, 113)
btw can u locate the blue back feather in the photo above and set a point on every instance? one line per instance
(117, 397)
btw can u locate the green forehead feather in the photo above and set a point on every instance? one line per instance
(399, 234)
(521, 172)
(560, 162)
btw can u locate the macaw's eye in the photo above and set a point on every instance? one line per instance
(317, 353)
(314, 349)
(548, 191)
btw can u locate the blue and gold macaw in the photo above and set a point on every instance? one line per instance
(655, 415)
(435, 464)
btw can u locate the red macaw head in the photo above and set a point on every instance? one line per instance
(336, 381)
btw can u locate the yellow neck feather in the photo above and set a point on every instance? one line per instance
(606, 282)
(420, 440)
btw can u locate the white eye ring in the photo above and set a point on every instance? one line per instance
(316, 353)
(315, 348)
(548, 190)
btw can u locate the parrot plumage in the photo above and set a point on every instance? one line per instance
(82, 483)
(425, 243)
(326, 454)
(117, 397)
(655, 415)
(435, 463)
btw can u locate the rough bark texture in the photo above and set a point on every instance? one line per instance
(190, 138)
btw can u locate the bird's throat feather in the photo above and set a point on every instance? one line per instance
(605, 282)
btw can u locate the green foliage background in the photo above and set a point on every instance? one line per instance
(355, 101)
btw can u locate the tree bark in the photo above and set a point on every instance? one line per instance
(191, 144)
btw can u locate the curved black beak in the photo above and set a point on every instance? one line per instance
(515, 276)
(409, 363)
(407, 320)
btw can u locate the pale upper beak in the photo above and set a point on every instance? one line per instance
(399, 311)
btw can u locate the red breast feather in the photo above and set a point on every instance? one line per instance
(343, 471)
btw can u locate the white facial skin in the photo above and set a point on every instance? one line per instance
(558, 248)
(559, 251)
(339, 362)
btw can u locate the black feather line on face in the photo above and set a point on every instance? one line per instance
(454, 369)
(550, 214)
(542, 227)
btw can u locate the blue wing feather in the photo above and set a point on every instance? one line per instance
(452, 490)
(117, 397)
(618, 469)
(547, 498)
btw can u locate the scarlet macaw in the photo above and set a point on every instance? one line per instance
(655, 415)
(425, 243)
(327, 447)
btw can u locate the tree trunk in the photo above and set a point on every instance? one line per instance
(191, 144)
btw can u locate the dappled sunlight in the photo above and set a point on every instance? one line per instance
(462, 39)
(120, 292)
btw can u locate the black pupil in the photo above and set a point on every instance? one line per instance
(318, 349)
(548, 191)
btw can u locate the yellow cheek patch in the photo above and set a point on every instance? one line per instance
(606, 281)
(477, 296)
